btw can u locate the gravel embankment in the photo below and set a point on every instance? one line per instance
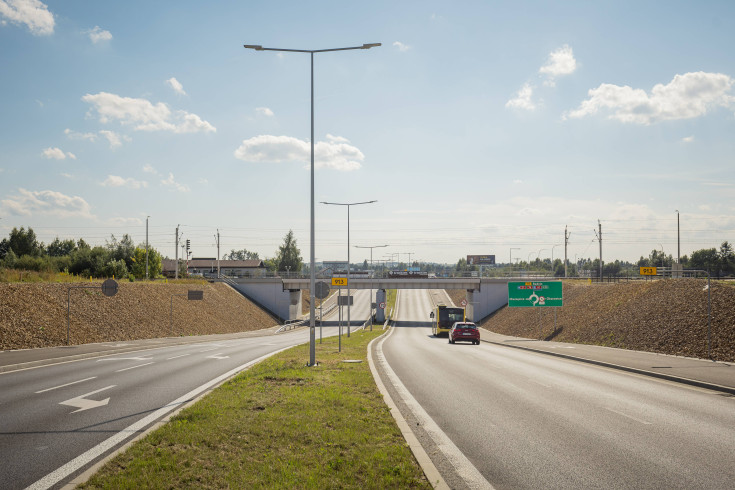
(35, 314)
(664, 316)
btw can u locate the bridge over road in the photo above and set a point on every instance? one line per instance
(282, 296)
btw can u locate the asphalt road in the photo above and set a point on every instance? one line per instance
(509, 418)
(59, 419)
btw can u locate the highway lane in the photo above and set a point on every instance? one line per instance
(70, 415)
(526, 420)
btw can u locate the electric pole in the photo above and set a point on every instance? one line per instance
(217, 253)
(146, 247)
(599, 239)
(566, 243)
(176, 273)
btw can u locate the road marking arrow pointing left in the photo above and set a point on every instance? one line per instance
(82, 403)
(217, 356)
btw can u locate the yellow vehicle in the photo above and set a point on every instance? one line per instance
(444, 317)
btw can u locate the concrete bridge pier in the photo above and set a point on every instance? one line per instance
(488, 298)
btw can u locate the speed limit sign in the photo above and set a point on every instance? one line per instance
(382, 306)
(463, 302)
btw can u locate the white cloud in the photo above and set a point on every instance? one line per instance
(264, 111)
(145, 116)
(688, 139)
(50, 203)
(117, 181)
(32, 13)
(335, 153)
(170, 182)
(686, 96)
(401, 47)
(113, 138)
(74, 135)
(98, 34)
(148, 168)
(176, 85)
(517, 181)
(560, 62)
(523, 99)
(57, 154)
(120, 221)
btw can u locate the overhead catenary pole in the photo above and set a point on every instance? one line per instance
(566, 243)
(218, 274)
(312, 278)
(146, 247)
(678, 240)
(599, 224)
(176, 247)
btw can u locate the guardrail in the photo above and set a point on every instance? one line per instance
(291, 324)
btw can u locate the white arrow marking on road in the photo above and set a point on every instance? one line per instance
(217, 356)
(83, 404)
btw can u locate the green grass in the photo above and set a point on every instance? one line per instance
(278, 425)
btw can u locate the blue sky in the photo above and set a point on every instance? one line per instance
(479, 127)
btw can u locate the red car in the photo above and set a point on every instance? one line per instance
(464, 332)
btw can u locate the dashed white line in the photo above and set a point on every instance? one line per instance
(176, 357)
(133, 367)
(628, 416)
(67, 384)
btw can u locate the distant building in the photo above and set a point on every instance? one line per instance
(207, 267)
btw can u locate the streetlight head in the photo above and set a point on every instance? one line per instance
(372, 45)
(256, 47)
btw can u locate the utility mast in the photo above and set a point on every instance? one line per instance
(566, 243)
(176, 273)
(599, 239)
(217, 237)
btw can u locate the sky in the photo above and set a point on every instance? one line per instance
(478, 127)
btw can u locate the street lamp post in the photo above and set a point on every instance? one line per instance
(348, 250)
(312, 274)
(371, 280)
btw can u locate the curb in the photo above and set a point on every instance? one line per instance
(427, 466)
(667, 377)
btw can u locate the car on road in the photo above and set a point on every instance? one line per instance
(464, 332)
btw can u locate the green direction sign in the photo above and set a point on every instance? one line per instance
(535, 293)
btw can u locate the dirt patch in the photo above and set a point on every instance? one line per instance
(666, 316)
(35, 315)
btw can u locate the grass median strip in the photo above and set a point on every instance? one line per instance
(278, 425)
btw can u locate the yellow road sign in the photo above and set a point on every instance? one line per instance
(648, 271)
(339, 281)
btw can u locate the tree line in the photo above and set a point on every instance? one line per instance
(118, 258)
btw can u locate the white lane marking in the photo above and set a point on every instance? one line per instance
(133, 367)
(628, 416)
(208, 350)
(91, 454)
(125, 359)
(176, 357)
(464, 468)
(82, 403)
(539, 383)
(217, 356)
(67, 384)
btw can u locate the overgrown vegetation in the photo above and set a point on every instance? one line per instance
(119, 258)
(278, 425)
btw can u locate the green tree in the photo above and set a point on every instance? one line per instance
(25, 242)
(289, 255)
(123, 249)
(706, 259)
(60, 248)
(727, 258)
(154, 263)
(243, 254)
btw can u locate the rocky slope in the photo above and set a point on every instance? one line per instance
(35, 314)
(664, 316)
